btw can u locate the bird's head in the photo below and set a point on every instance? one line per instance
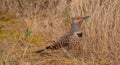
(78, 20)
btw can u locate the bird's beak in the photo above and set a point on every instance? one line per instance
(85, 17)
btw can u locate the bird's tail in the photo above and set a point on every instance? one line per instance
(48, 47)
(39, 51)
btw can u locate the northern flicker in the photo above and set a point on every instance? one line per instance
(71, 37)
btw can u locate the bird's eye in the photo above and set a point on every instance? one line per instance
(77, 18)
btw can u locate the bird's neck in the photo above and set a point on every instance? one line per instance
(75, 28)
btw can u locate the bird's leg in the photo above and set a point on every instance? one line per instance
(65, 51)
(71, 56)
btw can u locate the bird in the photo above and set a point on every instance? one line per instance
(71, 37)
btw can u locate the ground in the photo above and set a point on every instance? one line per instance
(30, 25)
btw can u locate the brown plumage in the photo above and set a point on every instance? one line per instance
(71, 37)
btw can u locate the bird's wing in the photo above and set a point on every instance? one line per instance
(62, 42)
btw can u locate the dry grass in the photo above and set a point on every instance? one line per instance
(49, 20)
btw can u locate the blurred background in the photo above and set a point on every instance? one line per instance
(29, 25)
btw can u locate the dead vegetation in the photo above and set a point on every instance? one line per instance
(29, 25)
